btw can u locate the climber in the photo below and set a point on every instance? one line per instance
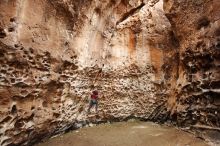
(93, 101)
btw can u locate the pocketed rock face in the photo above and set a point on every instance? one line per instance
(53, 53)
(194, 99)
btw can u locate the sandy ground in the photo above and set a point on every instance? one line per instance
(126, 134)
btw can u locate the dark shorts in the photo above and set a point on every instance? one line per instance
(93, 102)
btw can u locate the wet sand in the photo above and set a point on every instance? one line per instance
(126, 134)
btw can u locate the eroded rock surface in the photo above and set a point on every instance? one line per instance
(194, 100)
(53, 53)
(146, 63)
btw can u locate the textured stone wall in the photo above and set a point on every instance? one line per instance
(54, 53)
(194, 100)
(146, 63)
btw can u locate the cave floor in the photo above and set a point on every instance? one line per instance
(126, 134)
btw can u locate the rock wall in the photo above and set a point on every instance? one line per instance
(54, 53)
(149, 59)
(194, 101)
